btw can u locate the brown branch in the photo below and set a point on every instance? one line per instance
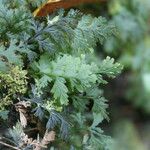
(8, 145)
(53, 5)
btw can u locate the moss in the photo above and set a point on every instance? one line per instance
(11, 84)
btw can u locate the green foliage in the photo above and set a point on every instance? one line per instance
(11, 54)
(12, 83)
(98, 28)
(17, 133)
(60, 91)
(4, 114)
(45, 61)
(110, 68)
(69, 75)
(127, 137)
(132, 46)
(13, 19)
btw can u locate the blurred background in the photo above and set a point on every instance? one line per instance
(129, 94)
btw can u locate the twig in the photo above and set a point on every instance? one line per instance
(8, 145)
(32, 129)
(4, 138)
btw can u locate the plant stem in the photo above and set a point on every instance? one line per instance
(8, 145)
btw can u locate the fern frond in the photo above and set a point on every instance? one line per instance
(60, 90)
(55, 119)
(109, 67)
(90, 31)
(13, 20)
(11, 55)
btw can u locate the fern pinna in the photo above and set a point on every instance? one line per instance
(56, 86)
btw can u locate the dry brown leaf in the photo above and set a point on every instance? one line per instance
(21, 107)
(23, 103)
(53, 5)
(23, 119)
(48, 137)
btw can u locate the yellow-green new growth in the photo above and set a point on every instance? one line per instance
(11, 83)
